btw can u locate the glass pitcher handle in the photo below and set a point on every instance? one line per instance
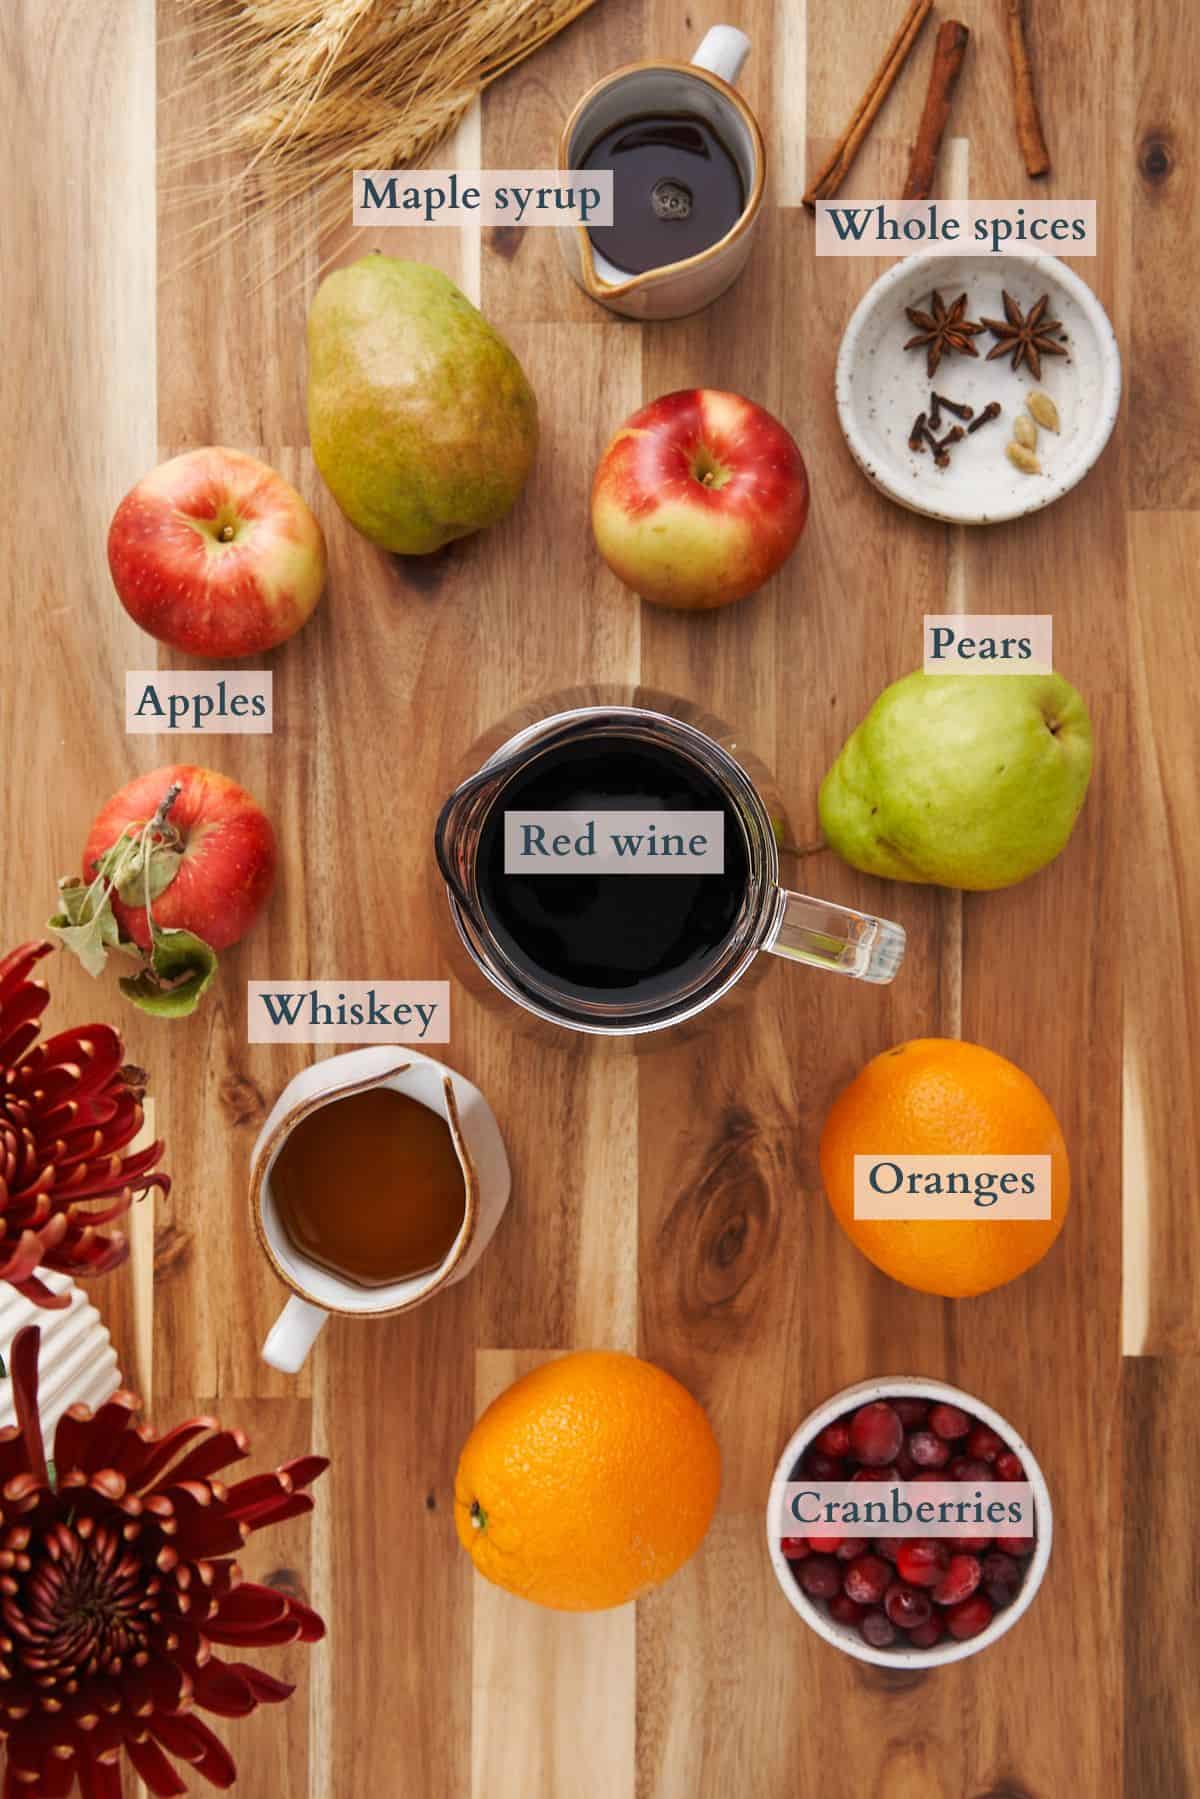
(835, 937)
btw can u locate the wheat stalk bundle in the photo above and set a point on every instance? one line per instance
(306, 91)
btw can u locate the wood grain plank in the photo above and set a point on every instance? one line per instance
(1164, 385)
(1038, 982)
(392, 1400)
(574, 1149)
(736, 1236)
(1161, 939)
(553, 1703)
(1162, 1746)
(79, 288)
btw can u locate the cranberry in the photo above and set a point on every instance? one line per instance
(824, 1545)
(876, 1433)
(1009, 1466)
(922, 1563)
(906, 1468)
(969, 1618)
(820, 1577)
(929, 1634)
(965, 1467)
(959, 1581)
(834, 1440)
(819, 1466)
(970, 1545)
(928, 1451)
(882, 1474)
(849, 1547)
(907, 1606)
(949, 1421)
(911, 1411)
(867, 1579)
(984, 1444)
(844, 1610)
(1021, 1546)
(795, 1548)
(876, 1629)
(888, 1547)
(1001, 1578)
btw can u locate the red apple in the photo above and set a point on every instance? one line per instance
(216, 554)
(698, 499)
(228, 865)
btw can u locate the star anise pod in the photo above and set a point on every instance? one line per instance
(1029, 337)
(942, 331)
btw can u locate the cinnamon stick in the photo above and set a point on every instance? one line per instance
(1025, 107)
(835, 170)
(948, 53)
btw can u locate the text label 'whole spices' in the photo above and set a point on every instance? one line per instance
(898, 227)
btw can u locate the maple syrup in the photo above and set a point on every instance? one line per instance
(677, 190)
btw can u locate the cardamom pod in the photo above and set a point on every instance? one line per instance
(1023, 459)
(1044, 410)
(1025, 431)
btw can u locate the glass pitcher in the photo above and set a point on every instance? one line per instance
(633, 958)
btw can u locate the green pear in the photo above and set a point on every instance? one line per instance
(962, 780)
(422, 422)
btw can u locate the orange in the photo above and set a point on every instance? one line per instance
(587, 1482)
(936, 1096)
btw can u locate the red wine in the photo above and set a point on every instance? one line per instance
(612, 938)
(677, 190)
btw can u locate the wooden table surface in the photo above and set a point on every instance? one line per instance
(667, 1197)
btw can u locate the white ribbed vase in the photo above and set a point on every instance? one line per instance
(77, 1362)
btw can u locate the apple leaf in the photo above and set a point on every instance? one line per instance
(85, 924)
(179, 971)
(132, 863)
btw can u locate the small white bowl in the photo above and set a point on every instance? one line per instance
(844, 1636)
(881, 387)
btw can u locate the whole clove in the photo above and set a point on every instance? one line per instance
(953, 436)
(991, 411)
(960, 411)
(916, 437)
(935, 411)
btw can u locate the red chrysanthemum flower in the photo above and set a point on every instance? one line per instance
(68, 1107)
(116, 1579)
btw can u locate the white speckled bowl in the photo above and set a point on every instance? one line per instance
(844, 1636)
(881, 387)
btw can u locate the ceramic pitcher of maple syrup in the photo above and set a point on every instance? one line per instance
(378, 1179)
(688, 165)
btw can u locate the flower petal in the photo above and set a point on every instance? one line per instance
(157, 1772)
(192, 1741)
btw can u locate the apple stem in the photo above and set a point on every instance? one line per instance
(158, 823)
(225, 534)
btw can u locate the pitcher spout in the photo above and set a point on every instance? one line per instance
(457, 829)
